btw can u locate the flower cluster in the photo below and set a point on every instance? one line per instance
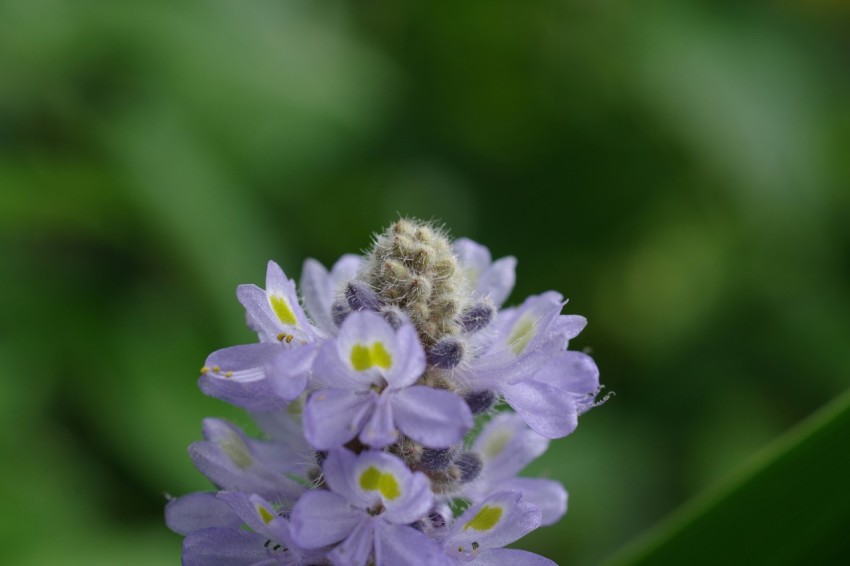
(377, 392)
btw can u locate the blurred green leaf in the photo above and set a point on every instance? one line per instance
(789, 505)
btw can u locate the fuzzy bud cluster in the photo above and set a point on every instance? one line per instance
(368, 388)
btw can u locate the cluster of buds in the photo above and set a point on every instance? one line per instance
(368, 389)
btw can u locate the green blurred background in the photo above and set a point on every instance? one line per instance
(680, 173)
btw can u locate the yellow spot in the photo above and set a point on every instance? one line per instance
(485, 519)
(282, 310)
(363, 358)
(281, 336)
(496, 443)
(266, 515)
(522, 334)
(289, 339)
(204, 370)
(216, 369)
(235, 449)
(384, 482)
(228, 374)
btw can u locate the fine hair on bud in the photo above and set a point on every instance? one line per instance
(480, 401)
(360, 297)
(476, 317)
(445, 354)
(339, 311)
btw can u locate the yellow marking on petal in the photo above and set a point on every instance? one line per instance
(228, 374)
(204, 370)
(266, 515)
(281, 336)
(282, 310)
(363, 358)
(523, 333)
(485, 519)
(496, 443)
(235, 448)
(216, 369)
(384, 482)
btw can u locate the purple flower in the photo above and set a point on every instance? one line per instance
(373, 499)
(368, 373)
(506, 445)
(479, 534)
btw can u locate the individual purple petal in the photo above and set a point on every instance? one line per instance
(522, 329)
(575, 372)
(318, 293)
(227, 459)
(433, 417)
(283, 298)
(380, 429)
(401, 544)
(237, 375)
(339, 473)
(547, 495)
(321, 518)
(495, 522)
(507, 445)
(548, 410)
(260, 317)
(197, 511)
(332, 417)
(497, 281)
(410, 362)
(288, 371)
(510, 557)
(258, 514)
(472, 256)
(569, 325)
(224, 547)
(357, 547)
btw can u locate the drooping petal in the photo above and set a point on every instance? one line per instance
(224, 547)
(332, 417)
(548, 410)
(495, 522)
(321, 518)
(237, 375)
(507, 445)
(356, 549)
(401, 544)
(433, 417)
(288, 371)
(380, 429)
(547, 495)
(227, 459)
(510, 557)
(197, 511)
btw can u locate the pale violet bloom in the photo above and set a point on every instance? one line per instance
(367, 512)
(367, 376)
(506, 445)
(478, 535)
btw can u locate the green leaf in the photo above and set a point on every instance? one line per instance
(788, 505)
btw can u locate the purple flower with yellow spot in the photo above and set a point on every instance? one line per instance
(367, 377)
(372, 500)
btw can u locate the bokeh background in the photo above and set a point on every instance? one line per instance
(680, 172)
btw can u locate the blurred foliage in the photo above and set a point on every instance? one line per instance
(680, 172)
